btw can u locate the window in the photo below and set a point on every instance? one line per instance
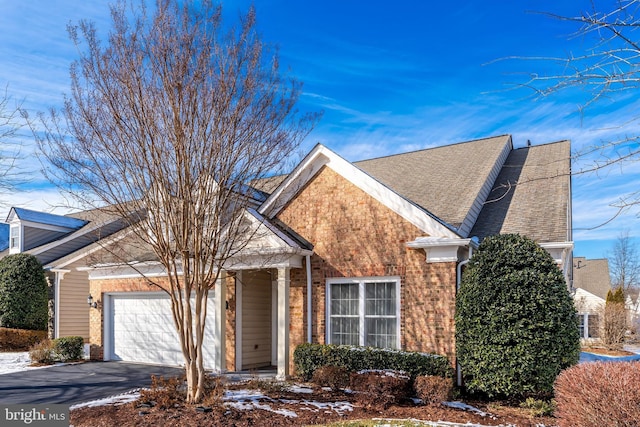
(364, 312)
(589, 325)
(14, 240)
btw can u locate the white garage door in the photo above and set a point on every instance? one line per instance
(142, 330)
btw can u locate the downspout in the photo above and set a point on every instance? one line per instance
(309, 299)
(458, 280)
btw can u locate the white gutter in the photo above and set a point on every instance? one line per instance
(309, 300)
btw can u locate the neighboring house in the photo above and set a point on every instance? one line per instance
(591, 283)
(366, 253)
(49, 238)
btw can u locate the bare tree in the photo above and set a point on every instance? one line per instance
(173, 117)
(10, 148)
(624, 264)
(608, 69)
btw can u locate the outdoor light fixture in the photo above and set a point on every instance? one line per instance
(91, 303)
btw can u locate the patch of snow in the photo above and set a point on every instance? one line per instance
(338, 407)
(119, 399)
(247, 400)
(465, 407)
(386, 372)
(251, 399)
(300, 389)
(16, 362)
(254, 404)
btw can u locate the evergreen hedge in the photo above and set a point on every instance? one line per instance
(309, 357)
(516, 324)
(69, 348)
(23, 293)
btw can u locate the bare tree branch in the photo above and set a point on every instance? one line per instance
(606, 70)
(10, 147)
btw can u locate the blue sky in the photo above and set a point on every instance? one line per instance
(390, 77)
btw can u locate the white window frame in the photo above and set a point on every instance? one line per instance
(361, 308)
(17, 247)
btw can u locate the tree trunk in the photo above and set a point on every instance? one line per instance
(51, 303)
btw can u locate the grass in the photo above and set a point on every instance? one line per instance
(381, 422)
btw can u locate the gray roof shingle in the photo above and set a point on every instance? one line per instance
(531, 195)
(444, 180)
(592, 275)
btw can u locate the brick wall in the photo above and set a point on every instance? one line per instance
(356, 236)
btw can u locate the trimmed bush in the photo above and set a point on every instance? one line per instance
(23, 293)
(42, 353)
(68, 348)
(20, 339)
(335, 377)
(599, 394)
(309, 357)
(516, 325)
(433, 390)
(380, 389)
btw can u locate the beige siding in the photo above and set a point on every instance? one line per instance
(73, 308)
(256, 319)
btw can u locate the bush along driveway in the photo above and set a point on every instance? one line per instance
(78, 382)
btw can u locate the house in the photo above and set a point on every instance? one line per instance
(591, 283)
(50, 237)
(367, 253)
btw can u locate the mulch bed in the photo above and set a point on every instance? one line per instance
(131, 414)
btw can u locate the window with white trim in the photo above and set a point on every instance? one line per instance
(14, 237)
(364, 311)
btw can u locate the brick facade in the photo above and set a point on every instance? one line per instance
(354, 235)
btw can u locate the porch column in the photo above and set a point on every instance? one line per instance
(220, 320)
(283, 323)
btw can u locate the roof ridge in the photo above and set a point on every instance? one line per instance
(433, 148)
(543, 144)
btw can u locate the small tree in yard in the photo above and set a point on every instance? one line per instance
(172, 118)
(614, 325)
(23, 293)
(516, 326)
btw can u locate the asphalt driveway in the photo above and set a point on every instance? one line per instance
(76, 383)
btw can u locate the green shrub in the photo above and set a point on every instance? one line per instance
(516, 325)
(68, 348)
(538, 407)
(309, 357)
(23, 293)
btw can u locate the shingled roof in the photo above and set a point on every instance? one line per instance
(531, 196)
(592, 275)
(482, 187)
(446, 181)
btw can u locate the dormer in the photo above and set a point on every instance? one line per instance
(29, 229)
